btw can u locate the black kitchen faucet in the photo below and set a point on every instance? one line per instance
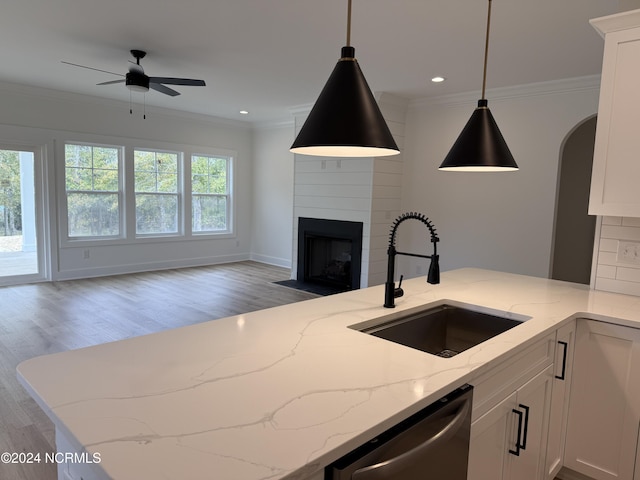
(433, 276)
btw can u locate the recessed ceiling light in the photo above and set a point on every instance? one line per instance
(438, 79)
(244, 112)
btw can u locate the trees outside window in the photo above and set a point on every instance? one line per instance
(157, 195)
(92, 182)
(210, 193)
(116, 193)
(10, 206)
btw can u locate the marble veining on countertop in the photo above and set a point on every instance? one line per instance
(280, 393)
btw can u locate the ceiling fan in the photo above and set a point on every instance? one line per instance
(137, 81)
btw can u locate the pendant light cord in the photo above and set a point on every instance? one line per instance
(349, 23)
(486, 52)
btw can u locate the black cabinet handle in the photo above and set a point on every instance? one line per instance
(516, 452)
(564, 360)
(526, 426)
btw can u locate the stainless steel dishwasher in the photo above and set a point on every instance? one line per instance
(432, 444)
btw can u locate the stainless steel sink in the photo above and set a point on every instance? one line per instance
(445, 330)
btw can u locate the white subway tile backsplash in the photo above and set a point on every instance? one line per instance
(613, 275)
(617, 286)
(607, 258)
(611, 220)
(608, 245)
(628, 274)
(606, 271)
(620, 232)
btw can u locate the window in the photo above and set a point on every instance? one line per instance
(92, 185)
(156, 186)
(121, 193)
(210, 180)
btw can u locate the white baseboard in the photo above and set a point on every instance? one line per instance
(146, 267)
(276, 261)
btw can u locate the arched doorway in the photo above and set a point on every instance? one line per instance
(574, 229)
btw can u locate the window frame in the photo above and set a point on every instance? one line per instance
(64, 218)
(228, 195)
(126, 198)
(179, 194)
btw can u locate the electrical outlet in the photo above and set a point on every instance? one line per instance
(628, 252)
(86, 253)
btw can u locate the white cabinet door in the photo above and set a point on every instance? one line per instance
(614, 189)
(509, 441)
(602, 431)
(491, 439)
(534, 400)
(565, 338)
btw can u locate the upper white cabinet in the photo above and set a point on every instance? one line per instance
(616, 158)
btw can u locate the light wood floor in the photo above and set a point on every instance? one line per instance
(52, 317)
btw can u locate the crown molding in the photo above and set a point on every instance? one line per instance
(553, 87)
(303, 109)
(616, 22)
(274, 124)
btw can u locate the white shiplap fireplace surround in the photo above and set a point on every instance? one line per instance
(363, 190)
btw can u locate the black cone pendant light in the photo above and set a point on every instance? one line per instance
(345, 120)
(480, 147)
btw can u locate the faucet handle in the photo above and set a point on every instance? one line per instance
(433, 277)
(398, 292)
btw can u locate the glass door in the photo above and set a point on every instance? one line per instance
(21, 249)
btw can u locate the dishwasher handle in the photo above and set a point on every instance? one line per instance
(385, 470)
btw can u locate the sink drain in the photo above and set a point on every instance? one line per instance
(446, 353)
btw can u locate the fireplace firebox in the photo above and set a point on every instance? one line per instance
(330, 253)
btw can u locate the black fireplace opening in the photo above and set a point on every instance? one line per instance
(330, 253)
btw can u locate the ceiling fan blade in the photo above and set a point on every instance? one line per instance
(178, 81)
(91, 68)
(162, 89)
(111, 82)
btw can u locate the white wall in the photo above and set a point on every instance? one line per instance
(43, 118)
(272, 224)
(499, 221)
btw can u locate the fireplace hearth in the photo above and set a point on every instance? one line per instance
(329, 253)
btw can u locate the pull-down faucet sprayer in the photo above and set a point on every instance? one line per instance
(433, 277)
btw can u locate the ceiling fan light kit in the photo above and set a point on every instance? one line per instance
(137, 82)
(345, 121)
(480, 147)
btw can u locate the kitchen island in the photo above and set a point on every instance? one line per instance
(282, 392)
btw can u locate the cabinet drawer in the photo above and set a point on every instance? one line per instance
(494, 385)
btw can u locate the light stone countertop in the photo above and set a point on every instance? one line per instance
(282, 392)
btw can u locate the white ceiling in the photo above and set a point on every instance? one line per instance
(267, 56)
